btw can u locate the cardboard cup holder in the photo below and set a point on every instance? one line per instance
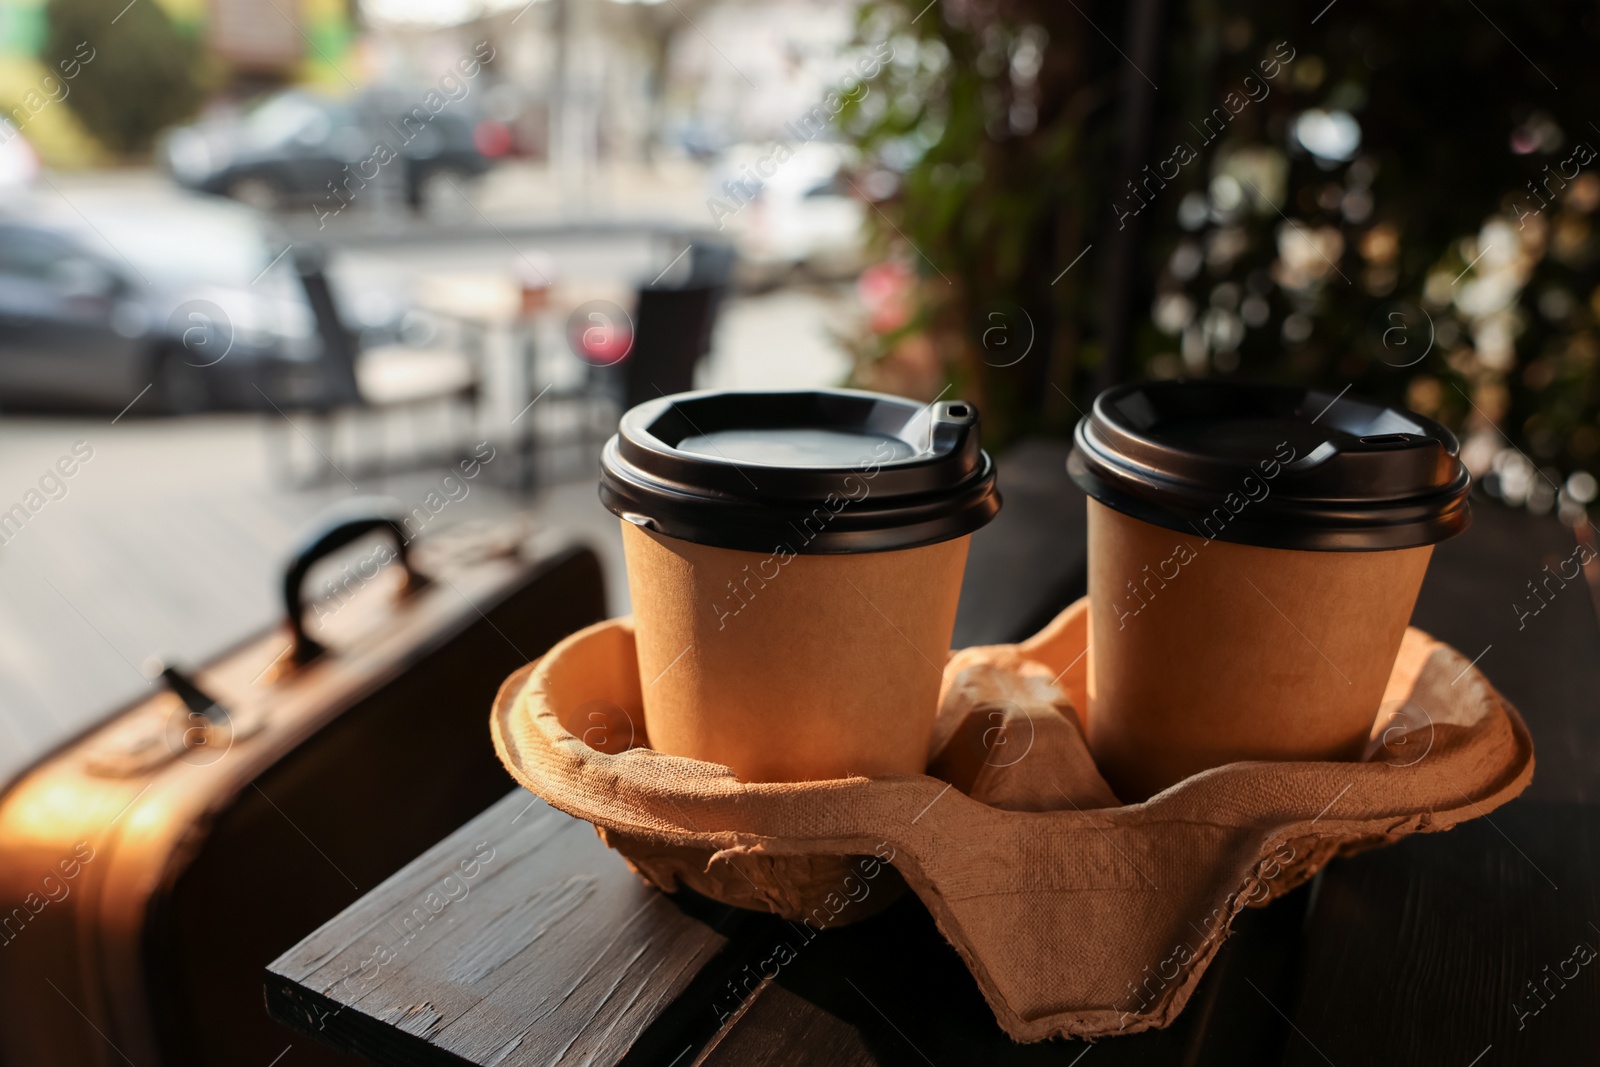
(1077, 915)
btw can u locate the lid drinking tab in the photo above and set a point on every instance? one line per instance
(825, 471)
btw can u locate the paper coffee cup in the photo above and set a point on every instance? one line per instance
(1255, 553)
(794, 561)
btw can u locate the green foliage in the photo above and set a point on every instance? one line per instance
(1450, 262)
(142, 75)
(984, 120)
(1464, 275)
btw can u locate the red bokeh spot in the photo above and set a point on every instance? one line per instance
(886, 290)
(603, 345)
(493, 139)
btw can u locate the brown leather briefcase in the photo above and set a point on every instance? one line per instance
(151, 868)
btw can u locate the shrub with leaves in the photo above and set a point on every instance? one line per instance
(142, 74)
(1361, 199)
(984, 116)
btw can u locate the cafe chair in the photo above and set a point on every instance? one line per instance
(366, 386)
(672, 327)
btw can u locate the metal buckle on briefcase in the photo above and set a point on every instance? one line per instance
(184, 724)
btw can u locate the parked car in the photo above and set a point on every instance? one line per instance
(188, 301)
(294, 148)
(789, 214)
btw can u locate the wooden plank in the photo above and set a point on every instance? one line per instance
(1547, 664)
(891, 991)
(1430, 944)
(782, 1029)
(1424, 953)
(519, 939)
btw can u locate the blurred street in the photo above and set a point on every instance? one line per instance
(256, 261)
(257, 258)
(170, 540)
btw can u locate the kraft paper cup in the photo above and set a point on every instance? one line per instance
(827, 667)
(794, 561)
(1244, 654)
(1255, 553)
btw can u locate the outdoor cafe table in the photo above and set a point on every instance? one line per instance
(1456, 948)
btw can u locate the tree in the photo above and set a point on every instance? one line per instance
(1361, 201)
(990, 117)
(136, 71)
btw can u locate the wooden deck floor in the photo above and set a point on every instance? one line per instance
(169, 542)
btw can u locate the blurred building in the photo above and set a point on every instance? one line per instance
(306, 39)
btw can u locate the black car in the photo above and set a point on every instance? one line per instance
(303, 149)
(181, 305)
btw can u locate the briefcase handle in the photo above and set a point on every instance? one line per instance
(329, 532)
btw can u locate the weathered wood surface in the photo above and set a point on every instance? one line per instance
(1414, 954)
(518, 940)
(1431, 945)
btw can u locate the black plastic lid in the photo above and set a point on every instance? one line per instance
(828, 471)
(1272, 465)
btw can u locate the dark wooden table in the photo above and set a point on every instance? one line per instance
(1460, 948)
